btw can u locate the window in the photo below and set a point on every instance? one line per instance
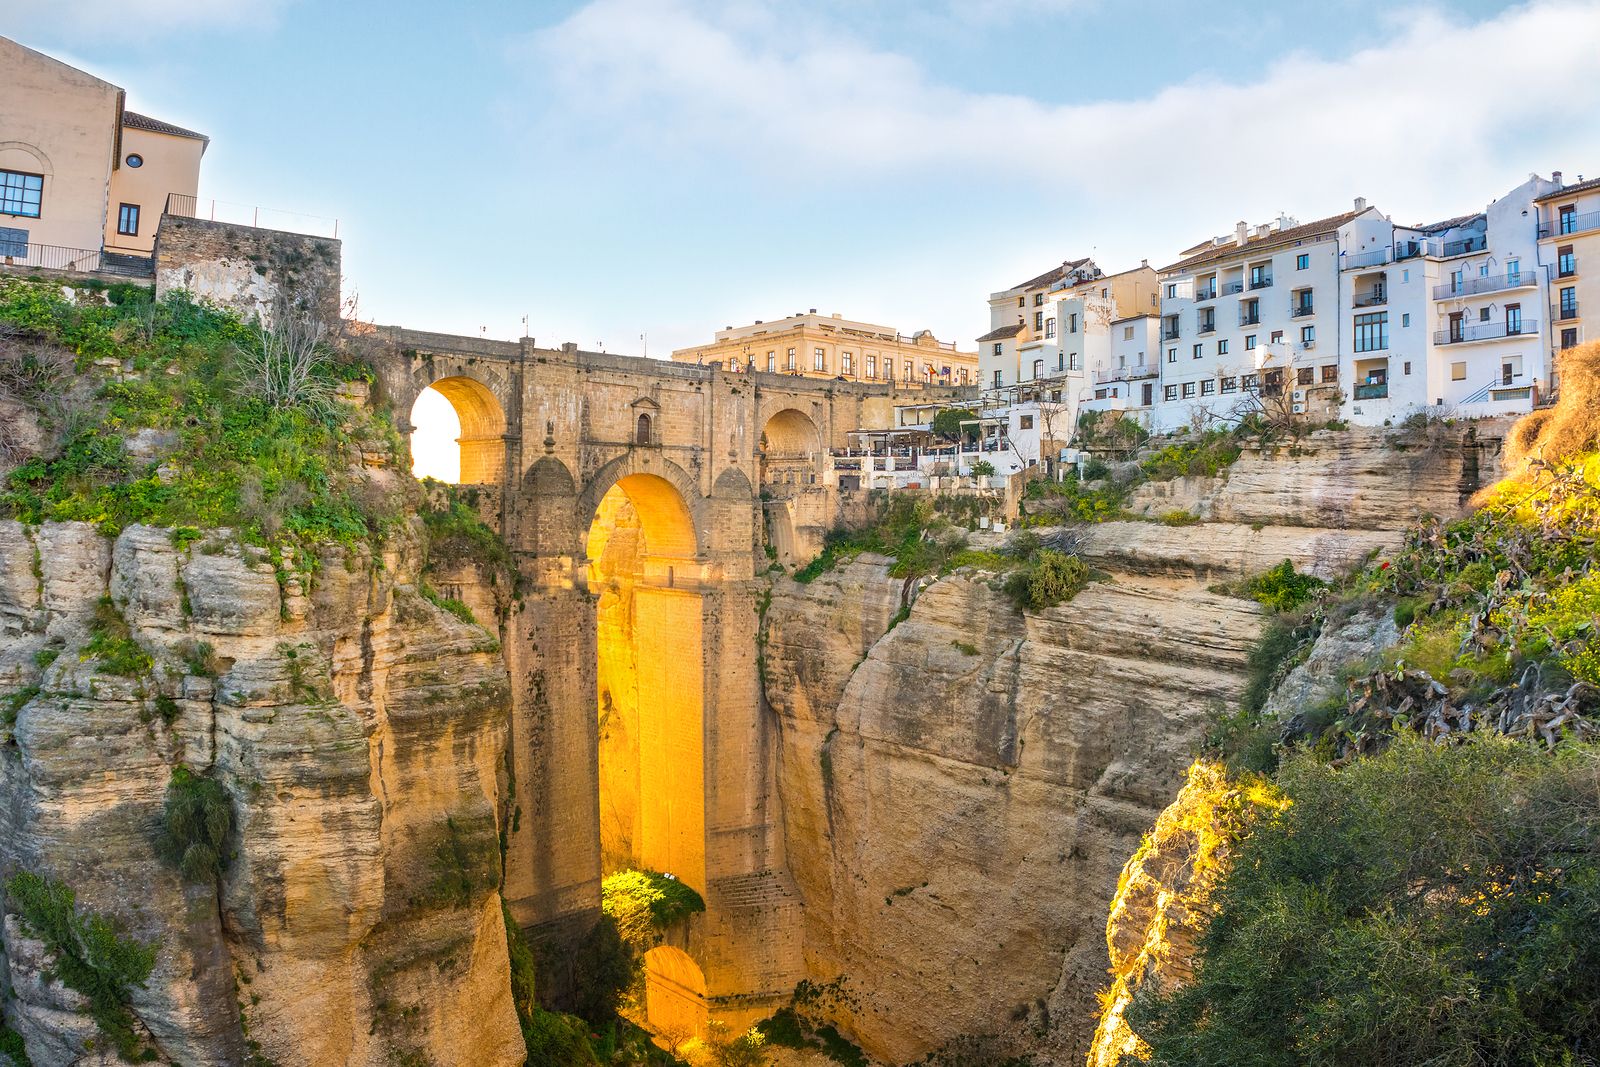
(128, 220)
(772, 361)
(1222, 347)
(846, 363)
(21, 194)
(1061, 361)
(641, 433)
(1569, 337)
(906, 370)
(1172, 355)
(1277, 335)
(1330, 372)
(1514, 318)
(1050, 327)
(1513, 267)
(1568, 219)
(1169, 392)
(1251, 381)
(1483, 314)
(1407, 367)
(999, 347)
(997, 379)
(134, 160)
(1569, 301)
(1306, 376)
(790, 364)
(819, 359)
(1038, 368)
(1127, 333)
(1099, 394)
(872, 365)
(1208, 387)
(1458, 372)
(1073, 362)
(1072, 322)
(1188, 390)
(1024, 422)
(1172, 292)
(1230, 385)
(1302, 261)
(1260, 276)
(1199, 350)
(1022, 301)
(1372, 331)
(1038, 322)
(1405, 318)
(1249, 342)
(1308, 334)
(1304, 302)
(1566, 262)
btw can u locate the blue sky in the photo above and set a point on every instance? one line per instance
(620, 167)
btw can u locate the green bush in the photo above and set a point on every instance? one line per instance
(111, 643)
(1429, 904)
(1179, 517)
(645, 903)
(1214, 452)
(983, 469)
(196, 823)
(12, 1051)
(1047, 579)
(88, 954)
(1282, 588)
(1284, 641)
(1072, 501)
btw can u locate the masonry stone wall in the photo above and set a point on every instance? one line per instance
(247, 268)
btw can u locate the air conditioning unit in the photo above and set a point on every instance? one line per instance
(1307, 345)
(1299, 394)
(1299, 409)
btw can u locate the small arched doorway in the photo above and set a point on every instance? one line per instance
(791, 453)
(675, 995)
(459, 433)
(641, 550)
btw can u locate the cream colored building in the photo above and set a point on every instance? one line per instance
(79, 172)
(830, 346)
(1569, 250)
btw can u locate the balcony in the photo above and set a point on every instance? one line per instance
(1494, 283)
(1230, 288)
(1300, 311)
(1206, 294)
(1208, 327)
(1169, 333)
(1249, 318)
(1376, 258)
(1372, 299)
(1464, 247)
(1566, 224)
(1485, 331)
(1372, 391)
(1127, 374)
(1564, 312)
(24, 253)
(1261, 283)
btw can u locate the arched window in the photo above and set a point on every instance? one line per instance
(641, 434)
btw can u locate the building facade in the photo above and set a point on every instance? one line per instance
(1569, 254)
(810, 345)
(79, 173)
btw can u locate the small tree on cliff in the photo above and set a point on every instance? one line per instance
(947, 423)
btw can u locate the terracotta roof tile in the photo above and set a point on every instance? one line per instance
(1276, 239)
(1002, 333)
(1568, 190)
(145, 122)
(1053, 275)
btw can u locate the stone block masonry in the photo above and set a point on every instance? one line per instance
(247, 268)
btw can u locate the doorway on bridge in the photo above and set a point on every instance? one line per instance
(459, 434)
(649, 681)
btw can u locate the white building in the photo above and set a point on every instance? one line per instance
(1248, 311)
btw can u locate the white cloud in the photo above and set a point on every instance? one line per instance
(1440, 118)
(139, 19)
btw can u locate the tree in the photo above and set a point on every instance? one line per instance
(286, 364)
(947, 423)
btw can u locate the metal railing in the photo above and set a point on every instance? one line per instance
(74, 260)
(1516, 279)
(1376, 258)
(1205, 294)
(1125, 374)
(1485, 331)
(1300, 311)
(1261, 283)
(1372, 391)
(1564, 312)
(1370, 300)
(1565, 224)
(1207, 327)
(189, 207)
(1169, 334)
(1229, 288)
(1463, 247)
(1249, 319)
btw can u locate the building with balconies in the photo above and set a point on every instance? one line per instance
(1569, 253)
(1244, 314)
(1444, 317)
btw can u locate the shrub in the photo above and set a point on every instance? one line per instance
(1071, 501)
(1179, 517)
(1214, 452)
(1048, 579)
(1282, 588)
(196, 823)
(1284, 640)
(88, 954)
(12, 1051)
(1429, 904)
(645, 903)
(111, 643)
(1096, 469)
(983, 469)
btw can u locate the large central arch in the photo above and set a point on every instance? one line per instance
(641, 549)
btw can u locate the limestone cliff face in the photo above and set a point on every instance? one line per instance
(962, 791)
(359, 732)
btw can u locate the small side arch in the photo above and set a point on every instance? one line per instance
(483, 428)
(545, 508)
(675, 993)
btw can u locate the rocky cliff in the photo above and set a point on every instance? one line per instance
(961, 790)
(358, 732)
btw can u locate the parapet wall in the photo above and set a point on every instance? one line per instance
(247, 268)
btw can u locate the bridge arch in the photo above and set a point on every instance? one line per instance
(482, 434)
(675, 994)
(664, 495)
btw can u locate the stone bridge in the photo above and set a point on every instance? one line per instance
(641, 500)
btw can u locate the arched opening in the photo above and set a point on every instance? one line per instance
(790, 456)
(641, 432)
(459, 433)
(675, 994)
(649, 680)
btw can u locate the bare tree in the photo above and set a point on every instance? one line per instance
(286, 363)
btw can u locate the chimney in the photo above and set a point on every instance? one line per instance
(1241, 233)
(837, 315)
(813, 311)
(1555, 176)
(758, 322)
(1361, 203)
(1144, 263)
